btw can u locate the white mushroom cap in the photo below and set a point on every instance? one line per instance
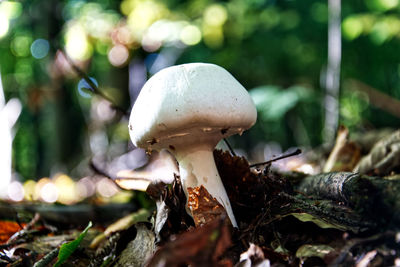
(190, 103)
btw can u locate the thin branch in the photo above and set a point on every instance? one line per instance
(230, 148)
(284, 155)
(24, 230)
(93, 87)
(46, 260)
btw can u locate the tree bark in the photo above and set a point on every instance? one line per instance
(373, 198)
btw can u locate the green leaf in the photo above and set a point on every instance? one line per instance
(307, 251)
(67, 249)
(273, 102)
(306, 217)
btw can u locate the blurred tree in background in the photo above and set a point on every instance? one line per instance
(276, 49)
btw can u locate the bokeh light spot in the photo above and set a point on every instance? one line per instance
(149, 44)
(49, 193)
(103, 111)
(29, 190)
(85, 187)
(40, 48)
(190, 35)
(106, 188)
(77, 45)
(215, 15)
(10, 9)
(15, 191)
(389, 4)
(381, 5)
(124, 35)
(143, 15)
(84, 88)
(38, 187)
(118, 55)
(20, 46)
(352, 28)
(66, 188)
(4, 25)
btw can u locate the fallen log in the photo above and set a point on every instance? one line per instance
(374, 198)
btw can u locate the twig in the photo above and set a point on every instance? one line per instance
(45, 261)
(93, 87)
(24, 230)
(230, 148)
(284, 155)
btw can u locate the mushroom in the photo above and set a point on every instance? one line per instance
(187, 109)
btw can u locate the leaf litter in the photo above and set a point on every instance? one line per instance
(284, 220)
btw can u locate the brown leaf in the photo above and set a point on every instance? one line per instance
(172, 217)
(344, 155)
(7, 229)
(204, 207)
(201, 246)
(250, 193)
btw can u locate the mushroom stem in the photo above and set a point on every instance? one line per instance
(197, 167)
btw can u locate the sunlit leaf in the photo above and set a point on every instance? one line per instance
(273, 102)
(305, 217)
(67, 249)
(307, 251)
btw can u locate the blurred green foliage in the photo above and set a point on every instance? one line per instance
(279, 48)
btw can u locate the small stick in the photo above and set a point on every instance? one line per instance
(24, 230)
(46, 260)
(294, 153)
(92, 85)
(230, 148)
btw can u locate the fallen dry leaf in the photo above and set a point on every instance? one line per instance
(7, 229)
(201, 246)
(172, 217)
(344, 155)
(249, 192)
(204, 207)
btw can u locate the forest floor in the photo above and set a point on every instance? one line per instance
(346, 214)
